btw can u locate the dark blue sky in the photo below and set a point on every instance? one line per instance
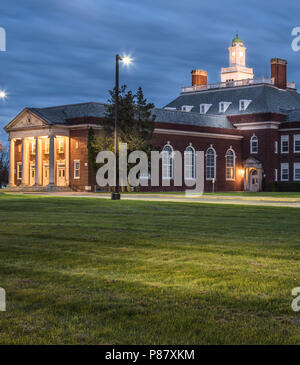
(61, 52)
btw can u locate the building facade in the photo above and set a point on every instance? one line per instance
(248, 128)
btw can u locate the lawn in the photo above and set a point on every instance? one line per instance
(93, 271)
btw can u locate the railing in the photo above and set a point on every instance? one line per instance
(246, 82)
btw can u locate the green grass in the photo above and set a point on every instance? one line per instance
(93, 271)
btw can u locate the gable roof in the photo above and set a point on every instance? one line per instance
(265, 98)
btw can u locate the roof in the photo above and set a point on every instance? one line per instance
(237, 40)
(61, 114)
(265, 98)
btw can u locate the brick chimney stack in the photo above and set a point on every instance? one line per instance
(278, 71)
(199, 78)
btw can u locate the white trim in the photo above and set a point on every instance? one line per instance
(257, 125)
(18, 170)
(284, 138)
(187, 108)
(276, 147)
(284, 165)
(215, 164)
(234, 157)
(206, 108)
(225, 104)
(296, 138)
(276, 175)
(169, 164)
(200, 134)
(193, 166)
(289, 129)
(251, 144)
(246, 104)
(78, 169)
(296, 166)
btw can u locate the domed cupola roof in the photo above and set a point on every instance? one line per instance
(237, 40)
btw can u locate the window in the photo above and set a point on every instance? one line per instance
(167, 162)
(210, 164)
(186, 108)
(204, 108)
(297, 143)
(285, 144)
(297, 171)
(60, 146)
(284, 172)
(189, 163)
(275, 147)
(254, 144)
(276, 175)
(244, 104)
(76, 169)
(33, 147)
(76, 145)
(19, 170)
(223, 106)
(46, 147)
(230, 165)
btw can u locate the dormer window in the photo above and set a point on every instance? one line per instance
(187, 108)
(223, 106)
(244, 104)
(204, 108)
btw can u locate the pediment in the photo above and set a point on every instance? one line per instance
(26, 120)
(252, 162)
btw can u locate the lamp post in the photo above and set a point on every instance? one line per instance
(126, 60)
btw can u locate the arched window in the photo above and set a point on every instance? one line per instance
(210, 164)
(254, 144)
(189, 163)
(230, 164)
(168, 162)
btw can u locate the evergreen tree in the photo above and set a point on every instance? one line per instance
(93, 149)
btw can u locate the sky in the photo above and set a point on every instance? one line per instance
(62, 52)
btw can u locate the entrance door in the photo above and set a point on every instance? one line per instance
(61, 174)
(32, 174)
(45, 174)
(254, 185)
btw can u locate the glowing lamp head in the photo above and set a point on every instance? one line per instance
(3, 94)
(242, 171)
(126, 60)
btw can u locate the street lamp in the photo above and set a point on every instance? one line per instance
(127, 61)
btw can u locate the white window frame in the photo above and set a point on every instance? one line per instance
(187, 108)
(210, 178)
(190, 163)
(276, 175)
(296, 139)
(206, 108)
(285, 138)
(223, 106)
(245, 104)
(296, 167)
(76, 169)
(251, 144)
(226, 164)
(284, 166)
(167, 162)
(19, 176)
(276, 147)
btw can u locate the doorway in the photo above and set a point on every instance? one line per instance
(45, 174)
(254, 183)
(32, 174)
(61, 174)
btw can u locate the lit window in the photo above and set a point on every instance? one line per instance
(285, 144)
(76, 169)
(19, 170)
(284, 172)
(167, 162)
(33, 148)
(46, 147)
(210, 164)
(297, 143)
(189, 163)
(254, 144)
(297, 171)
(60, 146)
(230, 165)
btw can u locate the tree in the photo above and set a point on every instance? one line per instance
(4, 165)
(93, 149)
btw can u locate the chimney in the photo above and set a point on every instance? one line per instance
(199, 78)
(278, 71)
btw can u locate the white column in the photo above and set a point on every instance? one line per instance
(23, 161)
(37, 157)
(51, 160)
(67, 161)
(12, 162)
